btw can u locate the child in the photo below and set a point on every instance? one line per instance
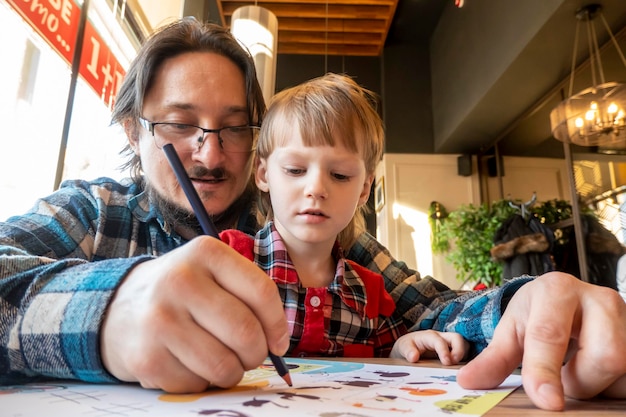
(317, 153)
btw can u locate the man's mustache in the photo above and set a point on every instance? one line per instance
(203, 172)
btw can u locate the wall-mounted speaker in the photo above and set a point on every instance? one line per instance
(464, 165)
(492, 167)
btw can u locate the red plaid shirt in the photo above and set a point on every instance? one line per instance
(353, 316)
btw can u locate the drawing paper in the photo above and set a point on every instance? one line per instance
(320, 389)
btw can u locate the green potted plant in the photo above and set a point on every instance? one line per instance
(466, 236)
(469, 231)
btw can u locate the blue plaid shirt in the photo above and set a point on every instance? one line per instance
(61, 262)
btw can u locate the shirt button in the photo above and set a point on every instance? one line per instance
(315, 301)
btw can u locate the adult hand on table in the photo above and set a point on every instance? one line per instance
(199, 315)
(557, 318)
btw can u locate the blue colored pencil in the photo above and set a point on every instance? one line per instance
(209, 229)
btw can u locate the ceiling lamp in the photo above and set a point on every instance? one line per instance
(596, 116)
(257, 29)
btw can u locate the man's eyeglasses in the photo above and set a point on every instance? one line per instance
(190, 138)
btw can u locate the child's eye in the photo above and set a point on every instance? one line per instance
(294, 171)
(341, 177)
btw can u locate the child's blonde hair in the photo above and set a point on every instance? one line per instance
(328, 110)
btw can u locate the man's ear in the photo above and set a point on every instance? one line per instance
(365, 192)
(132, 133)
(261, 175)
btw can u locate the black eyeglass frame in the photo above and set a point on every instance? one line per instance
(149, 126)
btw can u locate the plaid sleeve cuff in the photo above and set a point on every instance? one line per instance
(60, 330)
(474, 315)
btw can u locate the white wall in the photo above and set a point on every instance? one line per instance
(412, 182)
(524, 176)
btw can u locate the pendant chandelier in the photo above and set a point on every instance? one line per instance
(595, 116)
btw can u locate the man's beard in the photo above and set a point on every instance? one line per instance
(175, 216)
(179, 218)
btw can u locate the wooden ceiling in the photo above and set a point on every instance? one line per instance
(322, 27)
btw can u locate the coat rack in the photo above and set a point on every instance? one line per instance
(523, 207)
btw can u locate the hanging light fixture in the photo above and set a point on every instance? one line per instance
(596, 116)
(257, 29)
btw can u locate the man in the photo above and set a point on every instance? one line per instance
(107, 281)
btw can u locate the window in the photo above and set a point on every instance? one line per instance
(35, 87)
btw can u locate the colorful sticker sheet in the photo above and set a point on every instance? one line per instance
(320, 389)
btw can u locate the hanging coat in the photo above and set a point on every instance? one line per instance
(523, 246)
(602, 250)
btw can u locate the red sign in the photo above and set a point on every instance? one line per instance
(57, 22)
(99, 67)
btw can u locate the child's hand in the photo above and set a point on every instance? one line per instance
(450, 347)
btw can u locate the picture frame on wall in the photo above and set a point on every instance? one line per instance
(379, 194)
